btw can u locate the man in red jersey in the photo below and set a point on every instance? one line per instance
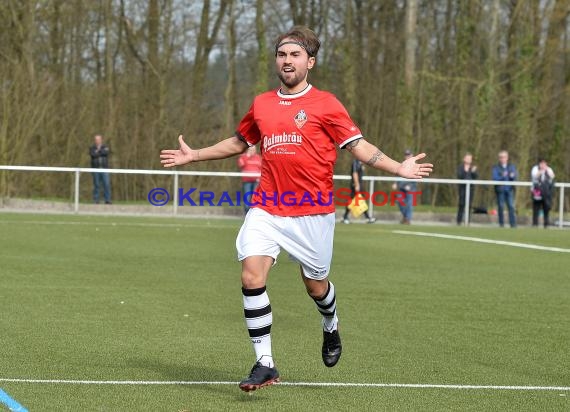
(249, 162)
(297, 127)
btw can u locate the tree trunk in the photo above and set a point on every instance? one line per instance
(231, 106)
(262, 71)
(411, 43)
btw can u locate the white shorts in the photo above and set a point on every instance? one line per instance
(308, 239)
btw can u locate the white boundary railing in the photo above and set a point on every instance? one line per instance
(176, 173)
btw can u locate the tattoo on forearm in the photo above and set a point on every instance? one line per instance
(352, 145)
(375, 157)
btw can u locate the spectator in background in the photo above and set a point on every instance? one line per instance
(99, 153)
(504, 171)
(466, 171)
(407, 187)
(249, 162)
(542, 177)
(356, 184)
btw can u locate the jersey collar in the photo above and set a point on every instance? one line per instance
(294, 95)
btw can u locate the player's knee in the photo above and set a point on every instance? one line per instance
(317, 289)
(315, 294)
(252, 280)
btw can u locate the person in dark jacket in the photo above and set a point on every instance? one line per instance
(356, 185)
(466, 171)
(409, 189)
(504, 171)
(542, 177)
(99, 153)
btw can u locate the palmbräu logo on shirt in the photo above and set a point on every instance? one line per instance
(280, 143)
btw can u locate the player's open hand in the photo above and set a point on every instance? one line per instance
(171, 158)
(412, 170)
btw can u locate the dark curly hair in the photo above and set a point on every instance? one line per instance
(304, 36)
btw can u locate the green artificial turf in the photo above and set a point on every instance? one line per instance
(158, 299)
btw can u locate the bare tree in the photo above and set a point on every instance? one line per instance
(262, 72)
(231, 103)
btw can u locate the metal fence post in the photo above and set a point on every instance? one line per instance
(561, 208)
(76, 192)
(371, 205)
(467, 207)
(175, 197)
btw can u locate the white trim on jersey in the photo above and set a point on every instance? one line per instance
(350, 139)
(295, 95)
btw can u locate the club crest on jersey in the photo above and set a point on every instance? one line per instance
(301, 119)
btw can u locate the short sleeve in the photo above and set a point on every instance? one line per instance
(338, 124)
(247, 130)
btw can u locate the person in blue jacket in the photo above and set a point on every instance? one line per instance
(504, 171)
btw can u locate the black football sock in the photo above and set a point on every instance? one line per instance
(327, 306)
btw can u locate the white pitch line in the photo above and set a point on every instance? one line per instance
(317, 384)
(482, 240)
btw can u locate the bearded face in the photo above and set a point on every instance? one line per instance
(293, 64)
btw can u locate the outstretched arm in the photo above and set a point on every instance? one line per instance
(226, 148)
(372, 156)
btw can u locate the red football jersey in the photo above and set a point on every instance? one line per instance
(249, 164)
(297, 135)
